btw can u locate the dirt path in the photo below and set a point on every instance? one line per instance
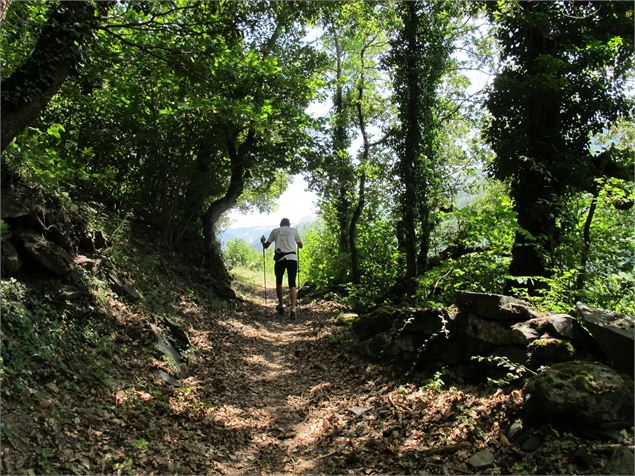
(284, 390)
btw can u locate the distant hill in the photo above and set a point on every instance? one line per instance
(252, 234)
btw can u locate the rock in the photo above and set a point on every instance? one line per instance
(16, 201)
(621, 462)
(123, 287)
(424, 321)
(376, 347)
(515, 430)
(51, 256)
(494, 306)
(493, 332)
(54, 234)
(166, 347)
(612, 332)
(515, 354)
(525, 332)
(578, 395)
(11, 262)
(568, 327)
(164, 377)
(549, 350)
(375, 322)
(482, 459)
(177, 335)
(85, 262)
(584, 457)
(346, 318)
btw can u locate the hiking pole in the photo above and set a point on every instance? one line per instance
(264, 271)
(297, 300)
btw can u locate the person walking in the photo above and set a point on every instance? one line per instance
(287, 242)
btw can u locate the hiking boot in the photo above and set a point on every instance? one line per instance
(292, 315)
(280, 309)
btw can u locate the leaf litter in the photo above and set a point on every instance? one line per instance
(262, 394)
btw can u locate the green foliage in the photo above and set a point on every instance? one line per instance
(38, 331)
(238, 253)
(483, 232)
(514, 371)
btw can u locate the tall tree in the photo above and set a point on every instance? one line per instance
(563, 82)
(420, 57)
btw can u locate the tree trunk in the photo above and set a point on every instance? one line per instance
(361, 195)
(581, 279)
(339, 149)
(238, 168)
(411, 152)
(27, 92)
(534, 191)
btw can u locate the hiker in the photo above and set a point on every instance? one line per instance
(286, 258)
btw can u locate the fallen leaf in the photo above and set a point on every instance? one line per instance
(360, 410)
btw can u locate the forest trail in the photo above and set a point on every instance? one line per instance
(290, 396)
(287, 398)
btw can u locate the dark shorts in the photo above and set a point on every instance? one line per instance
(292, 270)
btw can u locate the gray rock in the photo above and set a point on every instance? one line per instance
(568, 327)
(16, 201)
(549, 350)
(56, 235)
(494, 306)
(525, 332)
(578, 395)
(123, 287)
(621, 462)
(612, 332)
(482, 459)
(165, 346)
(493, 332)
(11, 262)
(515, 430)
(375, 322)
(48, 254)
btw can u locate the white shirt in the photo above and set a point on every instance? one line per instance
(286, 239)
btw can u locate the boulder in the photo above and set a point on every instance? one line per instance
(375, 322)
(612, 332)
(492, 332)
(579, 395)
(494, 306)
(51, 256)
(524, 332)
(166, 347)
(621, 461)
(56, 235)
(10, 263)
(16, 201)
(548, 350)
(568, 327)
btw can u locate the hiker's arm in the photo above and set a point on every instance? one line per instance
(265, 243)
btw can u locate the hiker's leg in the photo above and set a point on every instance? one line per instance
(279, 270)
(292, 271)
(294, 297)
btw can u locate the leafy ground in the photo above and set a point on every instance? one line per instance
(258, 394)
